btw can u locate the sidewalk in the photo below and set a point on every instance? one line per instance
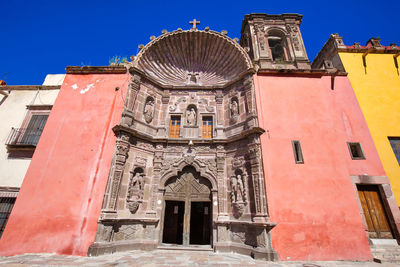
(164, 258)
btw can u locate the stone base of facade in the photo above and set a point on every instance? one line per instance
(98, 249)
(255, 253)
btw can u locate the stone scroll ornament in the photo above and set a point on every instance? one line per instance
(135, 191)
(238, 193)
(148, 111)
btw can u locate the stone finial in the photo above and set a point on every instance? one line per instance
(374, 41)
(140, 46)
(236, 40)
(224, 32)
(152, 37)
(164, 31)
(132, 58)
(207, 29)
(179, 29)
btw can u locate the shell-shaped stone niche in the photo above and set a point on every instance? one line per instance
(194, 58)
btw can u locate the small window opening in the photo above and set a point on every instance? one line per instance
(207, 127)
(395, 144)
(356, 151)
(298, 155)
(174, 127)
(6, 205)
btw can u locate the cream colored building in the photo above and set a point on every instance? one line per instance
(23, 113)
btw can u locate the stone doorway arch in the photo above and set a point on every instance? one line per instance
(187, 212)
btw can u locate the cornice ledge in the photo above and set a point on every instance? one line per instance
(96, 70)
(302, 73)
(121, 128)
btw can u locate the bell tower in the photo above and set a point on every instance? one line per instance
(274, 41)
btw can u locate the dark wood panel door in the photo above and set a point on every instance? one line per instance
(173, 222)
(200, 223)
(374, 211)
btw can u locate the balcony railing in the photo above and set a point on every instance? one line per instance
(23, 137)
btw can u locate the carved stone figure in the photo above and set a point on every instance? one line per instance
(191, 117)
(237, 188)
(148, 110)
(135, 192)
(234, 108)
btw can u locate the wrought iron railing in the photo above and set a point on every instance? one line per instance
(23, 137)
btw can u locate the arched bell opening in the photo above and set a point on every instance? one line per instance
(187, 212)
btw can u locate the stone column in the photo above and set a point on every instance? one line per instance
(257, 177)
(221, 155)
(133, 89)
(121, 154)
(157, 165)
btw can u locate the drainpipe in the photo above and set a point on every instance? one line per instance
(396, 64)
(371, 49)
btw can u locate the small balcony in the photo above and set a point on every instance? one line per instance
(23, 138)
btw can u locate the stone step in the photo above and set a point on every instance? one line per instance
(187, 248)
(386, 253)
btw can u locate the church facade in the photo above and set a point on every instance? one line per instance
(202, 142)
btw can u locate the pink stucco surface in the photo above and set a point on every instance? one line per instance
(60, 199)
(314, 204)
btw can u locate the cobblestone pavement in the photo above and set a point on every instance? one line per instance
(161, 258)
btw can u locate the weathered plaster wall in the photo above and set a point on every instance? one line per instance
(12, 113)
(60, 199)
(314, 203)
(377, 89)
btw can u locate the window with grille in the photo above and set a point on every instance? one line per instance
(174, 127)
(207, 127)
(395, 144)
(6, 205)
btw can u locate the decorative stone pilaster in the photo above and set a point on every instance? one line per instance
(257, 177)
(133, 89)
(121, 154)
(221, 180)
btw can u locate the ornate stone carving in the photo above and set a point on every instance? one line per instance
(260, 32)
(175, 105)
(148, 111)
(205, 102)
(188, 159)
(135, 191)
(234, 109)
(191, 116)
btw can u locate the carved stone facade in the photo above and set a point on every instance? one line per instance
(215, 159)
(274, 41)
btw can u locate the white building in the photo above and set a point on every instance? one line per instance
(23, 113)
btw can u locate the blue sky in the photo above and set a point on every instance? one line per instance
(41, 37)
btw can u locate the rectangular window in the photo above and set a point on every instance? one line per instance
(6, 205)
(298, 155)
(207, 127)
(34, 129)
(174, 127)
(356, 151)
(395, 144)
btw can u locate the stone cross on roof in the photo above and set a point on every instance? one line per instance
(194, 22)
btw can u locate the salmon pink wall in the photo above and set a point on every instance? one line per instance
(314, 204)
(61, 196)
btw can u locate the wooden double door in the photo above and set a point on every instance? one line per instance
(374, 212)
(187, 226)
(187, 210)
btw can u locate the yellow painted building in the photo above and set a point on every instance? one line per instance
(374, 73)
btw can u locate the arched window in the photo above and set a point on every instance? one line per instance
(278, 45)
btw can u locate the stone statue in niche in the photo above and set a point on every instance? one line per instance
(148, 111)
(191, 116)
(238, 193)
(237, 188)
(135, 191)
(234, 108)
